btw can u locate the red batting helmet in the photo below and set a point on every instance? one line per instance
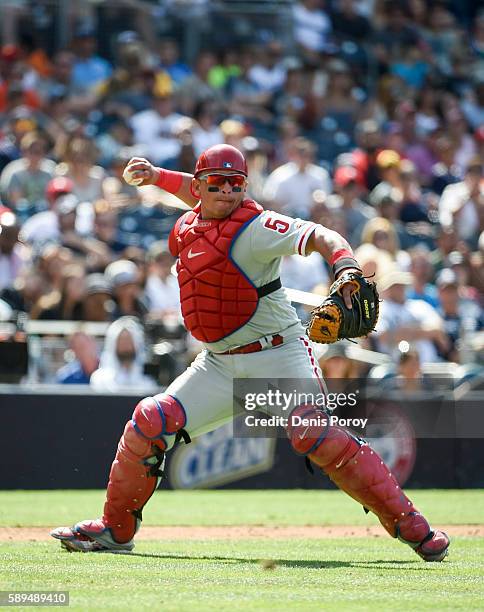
(60, 185)
(221, 157)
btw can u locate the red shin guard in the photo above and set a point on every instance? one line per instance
(358, 471)
(136, 468)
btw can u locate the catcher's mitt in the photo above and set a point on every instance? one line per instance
(333, 321)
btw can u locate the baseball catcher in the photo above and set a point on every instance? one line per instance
(229, 252)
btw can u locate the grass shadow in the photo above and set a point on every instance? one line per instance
(385, 564)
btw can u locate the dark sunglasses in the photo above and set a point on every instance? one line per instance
(218, 180)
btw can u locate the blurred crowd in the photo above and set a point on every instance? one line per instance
(369, 120)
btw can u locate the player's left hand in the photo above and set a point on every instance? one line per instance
(349, 311)
(347, 288)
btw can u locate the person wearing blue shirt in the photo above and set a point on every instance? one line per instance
(78, 371)
(89, 70)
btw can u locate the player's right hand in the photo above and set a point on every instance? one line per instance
(140, 172)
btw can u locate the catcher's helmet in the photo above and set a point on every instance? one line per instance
(221, 157)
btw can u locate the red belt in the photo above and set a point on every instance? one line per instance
(255, 347)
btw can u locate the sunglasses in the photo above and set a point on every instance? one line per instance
(218, 180)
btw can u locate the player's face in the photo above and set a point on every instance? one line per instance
(220, 193)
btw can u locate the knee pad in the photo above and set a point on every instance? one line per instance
(159, 416)
(311, 434)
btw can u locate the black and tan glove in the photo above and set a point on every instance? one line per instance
(333, 320)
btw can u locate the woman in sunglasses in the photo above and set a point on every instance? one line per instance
(229, 254)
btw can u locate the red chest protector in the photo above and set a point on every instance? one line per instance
(216, 296)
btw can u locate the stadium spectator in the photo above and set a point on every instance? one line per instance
(268, 73)
(65, 302)
(14, 90)
(339, 103)
(373, 261)
(122, 359)
(404, 320)
(169, 58)
(59, 82)
(395, 34)
(473, 102)
(197, 88)
(226, 68)
(206, 132)
(465, 148)
(382, 234)
(105, 234)
(290, 187)
(155, 128)
(409, 379)
(461, 203)
(78, 163)
(89, 70)
(413, 208)
(444, 171)
(124, 278)
(336, 364)
(427, 118)
(85, 362)
(312, 27)
(246, 99)
(422, 272)
(161, 289)
(98, 304)
(23, 182)
(461, 316)
(369, 139)
(49, 225)
(14, 256)
(387, 166)
(348, 22)
(24, 292)
(347, 199)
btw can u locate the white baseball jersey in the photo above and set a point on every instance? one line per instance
(257, 251)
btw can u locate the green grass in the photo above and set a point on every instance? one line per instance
(309, 574)
(296, 507)
(216, 575)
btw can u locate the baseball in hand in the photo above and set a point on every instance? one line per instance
(128, 176)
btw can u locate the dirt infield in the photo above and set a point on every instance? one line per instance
(240, 532)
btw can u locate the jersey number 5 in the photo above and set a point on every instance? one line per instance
(278, 225)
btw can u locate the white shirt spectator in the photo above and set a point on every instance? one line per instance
(162, 295)
(114, 375)
(458, 209)
(292, 189)
(41, 227)
(267, 79)
(311, 28)
(203, 139)
(157, 133)
(412, 313)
